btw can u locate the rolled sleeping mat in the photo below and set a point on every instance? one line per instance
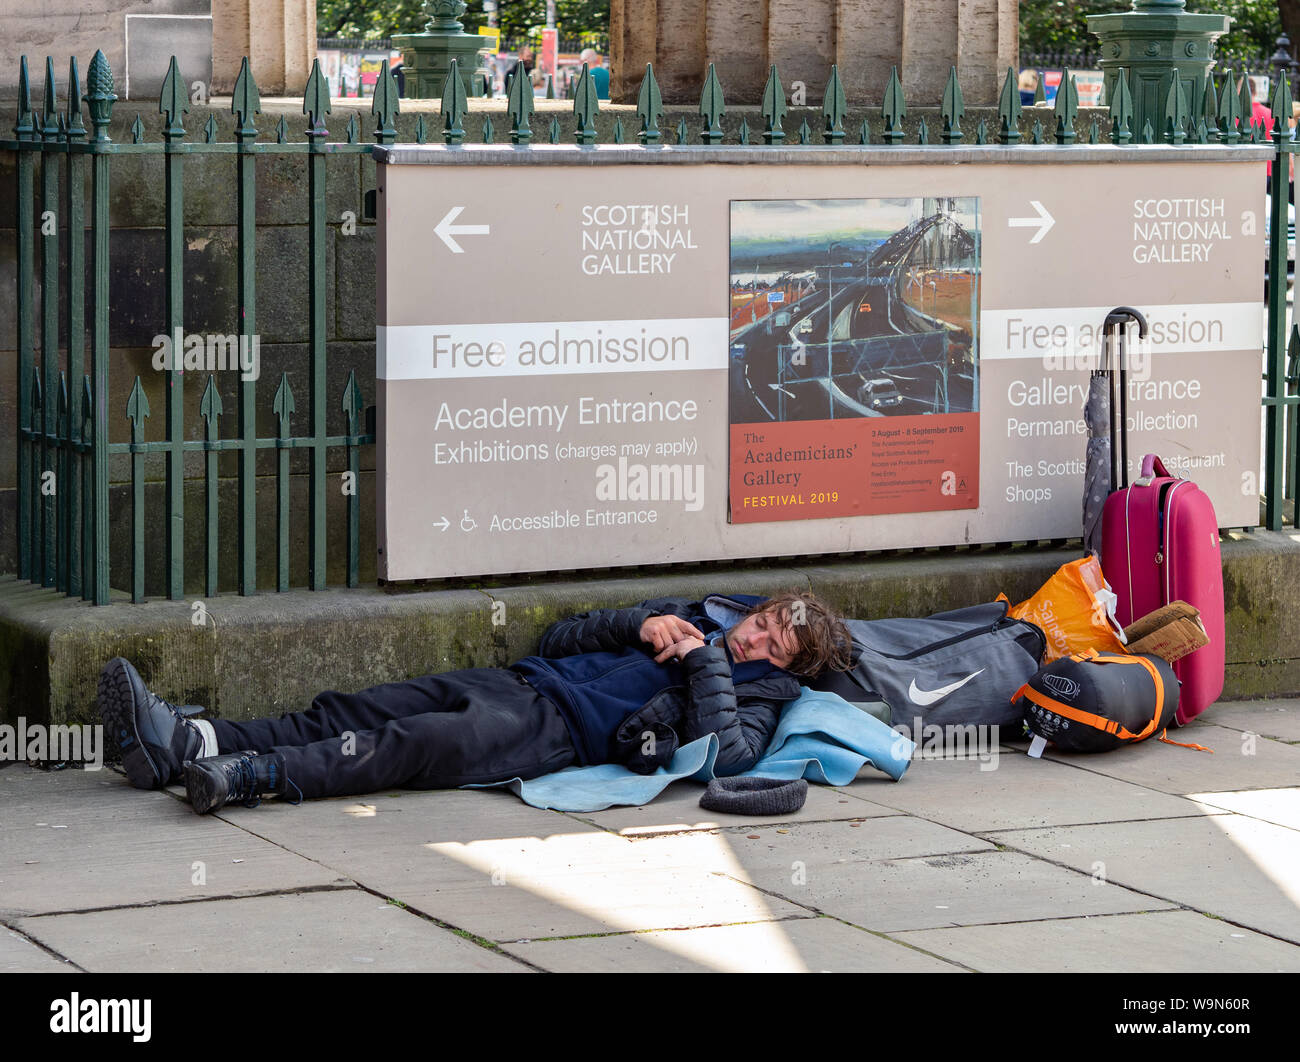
(1097, 701)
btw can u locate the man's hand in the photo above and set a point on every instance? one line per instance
(663, 632)
(679, 649)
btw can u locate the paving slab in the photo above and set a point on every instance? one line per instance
(441, 814)
(1281, 806)
(1240, 760)
(1019, 792)
(678, 810)
(487, 863)
(1232, 866)
(508, 905)
(342, 930)
(1279, 719)
(19, 955)
(379, 835)
(944, 890)
(1160, 942)
(808, 845)
(796, 945)
(80, 840)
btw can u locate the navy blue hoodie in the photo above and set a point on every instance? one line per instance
(598, 671)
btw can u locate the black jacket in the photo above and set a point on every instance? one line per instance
(739, 702)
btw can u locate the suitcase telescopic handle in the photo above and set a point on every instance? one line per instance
(1122, 315)
(1116, 322)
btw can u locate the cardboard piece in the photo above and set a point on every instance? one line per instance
(1170, 632)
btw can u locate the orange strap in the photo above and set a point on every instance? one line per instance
(1184, 744)
(1109, 726)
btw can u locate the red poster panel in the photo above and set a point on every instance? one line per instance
(862, 467)
(550, 49)
(854, 357)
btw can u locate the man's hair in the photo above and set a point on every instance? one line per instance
(824, 641)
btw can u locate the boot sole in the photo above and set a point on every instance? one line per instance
(201, 788)
(116, 701)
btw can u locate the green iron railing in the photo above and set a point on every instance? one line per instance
(63, 437)
(1281, 456)
(63, 413)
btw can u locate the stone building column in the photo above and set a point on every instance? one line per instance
(929, 48)
(801, 41)
(868, 43)
(923, 38)
(988, 41)
(736, 40)
(278, 36)
(633, 42)
(682, 55)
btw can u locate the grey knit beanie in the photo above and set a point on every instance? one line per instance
(755, 796)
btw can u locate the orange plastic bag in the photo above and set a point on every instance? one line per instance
(1075, 609)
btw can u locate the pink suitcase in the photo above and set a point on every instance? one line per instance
(1160, 543)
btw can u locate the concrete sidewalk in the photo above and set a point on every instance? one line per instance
(1150, 858)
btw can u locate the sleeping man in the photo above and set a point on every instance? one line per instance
(621, 686)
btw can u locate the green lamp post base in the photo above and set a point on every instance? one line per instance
(1152, 41)
(427, 56)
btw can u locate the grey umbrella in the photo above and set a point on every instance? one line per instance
(1097, 472)
(1100, 476)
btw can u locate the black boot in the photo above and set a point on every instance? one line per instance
(236, 778)
(155, 737)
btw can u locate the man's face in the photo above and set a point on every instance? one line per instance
(763, 636)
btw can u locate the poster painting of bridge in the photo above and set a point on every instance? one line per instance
(854, 357)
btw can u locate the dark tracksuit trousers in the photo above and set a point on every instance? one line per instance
(434, 732)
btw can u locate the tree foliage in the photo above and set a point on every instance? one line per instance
(1062, 25)
(517, 18)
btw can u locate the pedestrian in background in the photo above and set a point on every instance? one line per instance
(1028, 84)
(599, 72)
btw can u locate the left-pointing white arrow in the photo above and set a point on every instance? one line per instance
(1043, 222)
(446, 230)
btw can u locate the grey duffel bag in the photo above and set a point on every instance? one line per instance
(954, 668)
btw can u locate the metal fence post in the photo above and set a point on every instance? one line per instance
(99, 100)
(245, 103)
(1274, 420)
(74, 224)
(48, 487)
(173, 103)
(25, 131)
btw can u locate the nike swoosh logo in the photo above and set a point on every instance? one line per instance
(924, 697)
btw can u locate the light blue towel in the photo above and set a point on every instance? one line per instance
(820, 737)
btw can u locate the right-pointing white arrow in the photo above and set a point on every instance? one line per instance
(1043, 222)
(442, 524)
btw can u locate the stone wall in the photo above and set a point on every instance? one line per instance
(137, 37)
(274, 652)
